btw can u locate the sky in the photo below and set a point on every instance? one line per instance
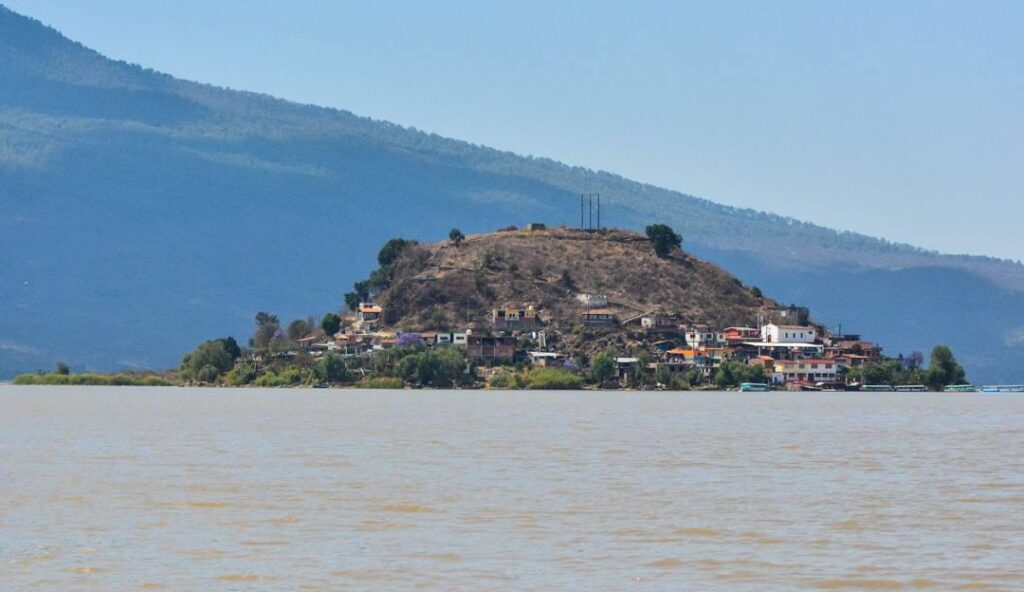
(896, 119)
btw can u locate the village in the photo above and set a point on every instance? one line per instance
(785, 350)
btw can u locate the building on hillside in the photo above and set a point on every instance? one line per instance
(451, 338)
(512, 317)
(313, 343)
(792, 315)
(786, 351)
(659, 322)
(624, 367)
(546, 359)
(850, 361)
(737, 335)
(597, 317)
(807, 370)
(772, 333)
(532, 226)
(700, 335)
(368, 316)
(488, 348)
(593, 300)
(855, 347)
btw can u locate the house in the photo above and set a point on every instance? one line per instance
(626, 366)
(658, 322)
(848, 361)
(479, 347)
(313, 342)
(793, 314)
(807, 370)
(532, 226)
(698, 336)
(350, 346)
(545, 359)
(368, 316)
(597, 317)
(737, 335)
(509, 317)
(593, 300)
(451, 338)
(772, 333)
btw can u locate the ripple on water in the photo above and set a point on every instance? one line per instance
(858, 584)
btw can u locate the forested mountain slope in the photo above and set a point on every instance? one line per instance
(141, 213)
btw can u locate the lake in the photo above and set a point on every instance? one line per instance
(215, 489)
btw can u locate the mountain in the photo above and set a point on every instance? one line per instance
(142, 213)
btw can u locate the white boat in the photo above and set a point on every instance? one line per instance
(1003, 388)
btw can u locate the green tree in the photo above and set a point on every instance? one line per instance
(756, 292)
(352, 300)
(456, 236)
(602, 368)
(391, 250)
(330, 323)
(298, 329)
(62, 368)
(207, 362)
(231, 346)
(267, 328)
(944, 369)
(331, 369)
(663, 238)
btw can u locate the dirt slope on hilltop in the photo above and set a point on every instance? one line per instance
(442, 286)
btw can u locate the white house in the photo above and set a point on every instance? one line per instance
(698, 336)
(772, 333)
(807, 370)
(593, 300)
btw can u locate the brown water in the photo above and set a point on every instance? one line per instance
(122, 488)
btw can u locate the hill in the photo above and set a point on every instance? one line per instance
(439, 286)
(143, 212)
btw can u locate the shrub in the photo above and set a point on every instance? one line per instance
(552, 379)
(506, 378)
(382, 382)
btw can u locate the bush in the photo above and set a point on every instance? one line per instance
(506, 378)
(242, 374)
(269, 380)
(552, 379)
(382, 382)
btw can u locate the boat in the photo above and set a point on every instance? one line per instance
(910, 388)
(755, 387)
(960, 388)
(1003, 388)
(877, 388)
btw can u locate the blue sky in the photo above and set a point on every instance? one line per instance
(898, 119)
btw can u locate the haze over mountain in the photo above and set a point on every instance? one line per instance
(143, 213)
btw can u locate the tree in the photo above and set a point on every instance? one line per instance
(602, 368)
(331, 369)
(663, 238)
(391, 250)
(231, 347)
(330, 323)
(456, 236)
(207, 362)
(298, 329)
(944, 369)
(756, 292)
(352, 300)
(61, 368)
(267, 329)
